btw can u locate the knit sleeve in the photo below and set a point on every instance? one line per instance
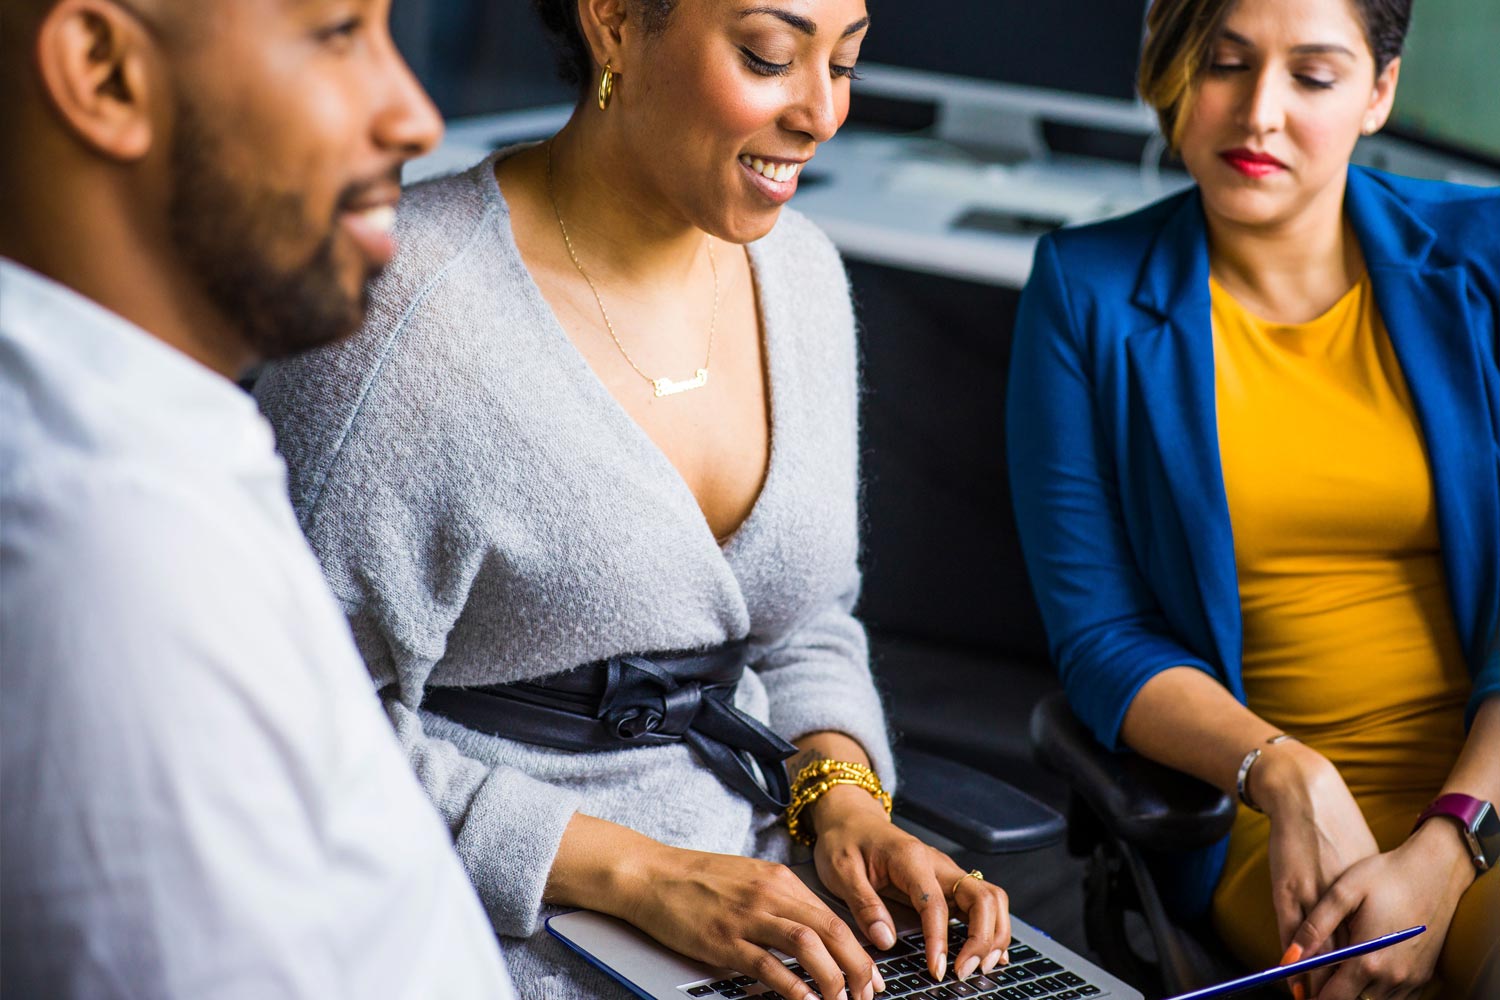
(398, 525)
(817, 673)
(506, 825)
(818, 680)
(391, 483)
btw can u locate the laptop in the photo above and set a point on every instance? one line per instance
(1039, 967)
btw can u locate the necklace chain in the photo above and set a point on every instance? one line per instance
(662, 386)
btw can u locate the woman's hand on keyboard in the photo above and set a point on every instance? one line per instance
(859, 852)
(729, 911)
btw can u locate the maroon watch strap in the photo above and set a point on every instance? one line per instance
(1464, 808)
(1477, 822)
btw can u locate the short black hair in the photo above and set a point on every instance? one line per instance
(1386, 24)
(575, 64)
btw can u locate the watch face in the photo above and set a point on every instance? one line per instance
(1486, 830)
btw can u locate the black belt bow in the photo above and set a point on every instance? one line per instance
(646, 700)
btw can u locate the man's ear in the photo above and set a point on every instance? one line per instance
(94, 59)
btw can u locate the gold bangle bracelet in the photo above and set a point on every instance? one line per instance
(816, 779)
(819, 768)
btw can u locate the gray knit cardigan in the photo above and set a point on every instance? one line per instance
(486, 512)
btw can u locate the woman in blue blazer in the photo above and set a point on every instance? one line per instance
(1194, 616)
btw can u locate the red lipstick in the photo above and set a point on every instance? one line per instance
(1252, 164)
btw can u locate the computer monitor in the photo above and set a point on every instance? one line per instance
(994, 71)
(1089, 47)
(1449, 95)
(479, 56)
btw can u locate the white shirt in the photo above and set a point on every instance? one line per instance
(199, 794)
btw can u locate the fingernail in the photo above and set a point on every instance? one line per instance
(1293, 953)
(882, 935)
(879, 982)
(1005, 957)
(991, 960)
(942, 966)
(1298, 991)
(966, 967)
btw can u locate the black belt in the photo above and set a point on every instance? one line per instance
(625, 701)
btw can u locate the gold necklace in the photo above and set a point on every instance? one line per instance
(661, 386)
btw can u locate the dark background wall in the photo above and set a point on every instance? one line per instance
(478, 56)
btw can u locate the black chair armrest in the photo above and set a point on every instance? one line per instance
(977, 811)
(1140, 801)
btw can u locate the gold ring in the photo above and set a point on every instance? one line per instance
(973, 873)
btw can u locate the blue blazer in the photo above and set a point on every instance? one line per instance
(1113, 440)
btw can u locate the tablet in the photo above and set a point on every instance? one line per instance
(1299, 967)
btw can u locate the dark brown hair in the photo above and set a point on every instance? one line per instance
(1179, 40)
(575, 63)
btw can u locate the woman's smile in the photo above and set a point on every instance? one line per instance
(774, 178)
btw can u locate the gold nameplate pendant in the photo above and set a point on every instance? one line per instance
(667, 387)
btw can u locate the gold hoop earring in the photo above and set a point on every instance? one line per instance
(606, 87)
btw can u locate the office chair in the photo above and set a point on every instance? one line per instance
(977, 811)
(1122, 807)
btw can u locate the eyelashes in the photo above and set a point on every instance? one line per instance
(1311, 82)
(345, 29)
(766, 67)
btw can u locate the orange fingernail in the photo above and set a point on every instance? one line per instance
(1298, 991)
(1292, 954)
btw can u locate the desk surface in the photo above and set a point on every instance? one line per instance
(895, 200)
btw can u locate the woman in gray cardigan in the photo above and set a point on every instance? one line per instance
(604, 407)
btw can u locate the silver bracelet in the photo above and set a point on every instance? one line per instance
(1242, 779)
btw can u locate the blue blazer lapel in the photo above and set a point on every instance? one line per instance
(1425, 307)
(1171, 368)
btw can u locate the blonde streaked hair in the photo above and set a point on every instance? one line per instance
(1179, 40)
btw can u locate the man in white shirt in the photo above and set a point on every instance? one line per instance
(199, 796)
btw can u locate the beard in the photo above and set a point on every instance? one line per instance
(227, 230)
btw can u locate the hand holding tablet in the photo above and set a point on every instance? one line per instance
(1271, 975)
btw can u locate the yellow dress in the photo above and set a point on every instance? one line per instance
(1349, 637)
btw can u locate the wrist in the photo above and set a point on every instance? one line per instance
(1289, 778)
(1440, 843)
(843, 804)
(626, 883)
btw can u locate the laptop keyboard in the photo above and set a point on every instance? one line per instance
(1029, 976)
